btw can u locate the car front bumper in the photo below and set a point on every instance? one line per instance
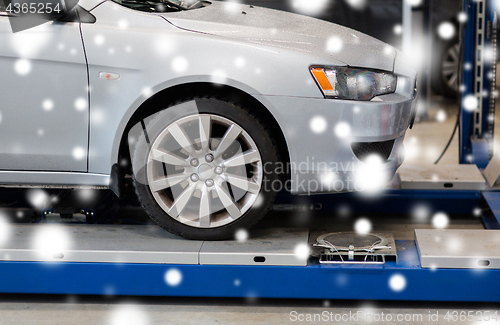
(320, 134)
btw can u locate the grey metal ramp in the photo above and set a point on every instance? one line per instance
(446, 177)
(264, 247)
(98, 243)
(463, 249)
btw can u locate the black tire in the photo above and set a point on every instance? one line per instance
(244, 118)
(446, 53)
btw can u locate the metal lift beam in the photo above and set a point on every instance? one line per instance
(479, 83)
(317, 281)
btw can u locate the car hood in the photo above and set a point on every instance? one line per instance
(282, 30)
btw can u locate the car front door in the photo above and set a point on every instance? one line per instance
(44, 111)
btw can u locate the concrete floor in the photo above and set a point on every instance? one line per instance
(426, 141)
(66, 310)
(424, 144)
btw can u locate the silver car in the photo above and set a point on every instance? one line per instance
(211, 107)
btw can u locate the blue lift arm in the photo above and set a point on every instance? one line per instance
(478, 83)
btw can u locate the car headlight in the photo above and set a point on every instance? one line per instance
(353, 83)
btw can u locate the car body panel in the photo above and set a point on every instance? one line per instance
(283, 30)
(33, 137)
(53, 179)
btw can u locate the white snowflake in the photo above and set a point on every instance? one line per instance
(259, 201)
(240, 62)
(342, 130)
(98, 116)
(421, 212)
(147, 91)
(397, 282)
(390, 51)
(470, 103)
(122, 24)
(51, 239)
(79, 153)
(47, 105)
(4, 230)
(334, 44)
(164, 45)
(29, 43)
(232, 6)
(309, 7)
(398, 29)
(128, 315)
(218, 76)
(318, 124)
(440, 220)
(173, 277)
(412, 149)
(241, 235)
(22, 67)
(357, 4)
(328, 179)
(441, 116)
(344, 211)
(302, 251)
(86, 195)
(362, 226)
(446, 30)
(37, 198)
(80, 104)
(462, 17)
(99, 40)
(370, 176)
(180, 64)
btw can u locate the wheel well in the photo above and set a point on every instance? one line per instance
(171, 95)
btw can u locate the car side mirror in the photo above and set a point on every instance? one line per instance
(78, 14)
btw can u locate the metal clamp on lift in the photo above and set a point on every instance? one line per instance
(354, 248)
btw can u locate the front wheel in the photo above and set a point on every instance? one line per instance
(199, 169)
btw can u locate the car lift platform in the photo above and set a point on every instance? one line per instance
(138, 260)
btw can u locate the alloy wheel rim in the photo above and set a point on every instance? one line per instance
(449, 67)
(204, 171)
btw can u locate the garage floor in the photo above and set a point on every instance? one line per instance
(58, 310)
(424, 144)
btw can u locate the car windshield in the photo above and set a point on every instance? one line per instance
(161, 5)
